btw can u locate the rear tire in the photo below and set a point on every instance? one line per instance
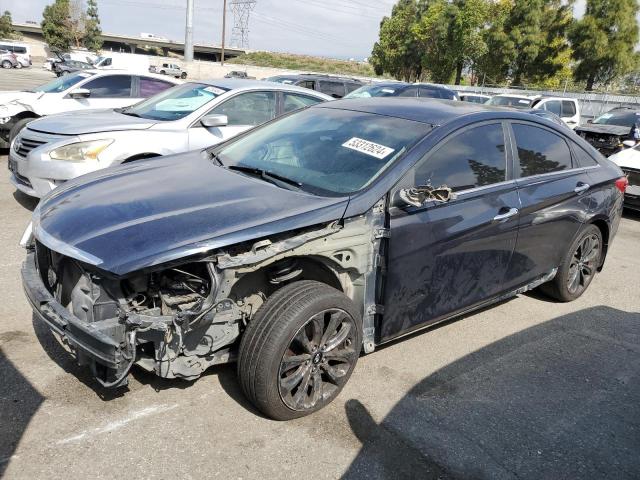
(183, 75)
(298, 352)
(578, 268)
(18, 65)
(162, 72)
(17, 128)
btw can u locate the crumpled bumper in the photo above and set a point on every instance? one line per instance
(93, 344)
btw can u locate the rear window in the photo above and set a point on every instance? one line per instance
(622, 118)
(540, 151)
(333, 89)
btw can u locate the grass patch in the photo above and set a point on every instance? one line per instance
(304, 62)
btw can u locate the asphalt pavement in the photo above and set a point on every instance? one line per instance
(527, 389)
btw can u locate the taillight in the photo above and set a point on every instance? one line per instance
(621, 184)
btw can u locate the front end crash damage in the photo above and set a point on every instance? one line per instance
(178, 321)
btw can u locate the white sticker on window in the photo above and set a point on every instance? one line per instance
(367, 147)
(387, 90)
(524, 101)
(214, 90)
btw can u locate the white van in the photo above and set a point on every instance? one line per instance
(20, 50)
(122, 61)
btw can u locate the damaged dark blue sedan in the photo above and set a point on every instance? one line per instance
(292, 248)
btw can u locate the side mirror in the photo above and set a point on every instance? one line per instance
(214, 120)
(79, 93)
(629, 143)
(416, 196)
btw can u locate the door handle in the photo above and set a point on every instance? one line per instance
(581, 188)
(506, 215)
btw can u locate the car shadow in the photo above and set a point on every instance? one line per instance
(27, 202)
(558, 400)
(631, 214)
(19, 401)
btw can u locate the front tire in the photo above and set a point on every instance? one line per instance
(183, 75)
(6, 64)
(578, 268)
(298, 352)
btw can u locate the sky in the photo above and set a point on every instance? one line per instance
(330, 28)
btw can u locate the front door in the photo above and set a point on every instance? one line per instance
(446, 257)
(244, 111)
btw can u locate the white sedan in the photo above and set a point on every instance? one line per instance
(629, 161)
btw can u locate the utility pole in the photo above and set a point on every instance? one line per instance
(188, 33)
(224, 23)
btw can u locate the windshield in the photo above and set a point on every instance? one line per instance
(63, 83)
(374, 91)
(176, 102)
(327, 151)
(622, 118)
(516, 102)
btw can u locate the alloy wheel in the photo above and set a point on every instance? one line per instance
(318, 360)
(583, 264)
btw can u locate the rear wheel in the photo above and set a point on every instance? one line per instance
(298, 352)
(162, 72)
(578, 267)
(183, 75)
(18, 65)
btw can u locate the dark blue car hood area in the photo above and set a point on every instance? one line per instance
(147, 213)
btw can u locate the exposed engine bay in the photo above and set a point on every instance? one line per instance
(180, 320)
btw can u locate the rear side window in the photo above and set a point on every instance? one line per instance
(334, 89)
(409, 92)
(150, 86)
(292, 101)
(568, 108)
(472, 159)
(435, 93)
(305, 84)
(583, 158)
(110, 86)
(351, 86)
(540, 151)
(251, 108)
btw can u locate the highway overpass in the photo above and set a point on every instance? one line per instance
(129, 43)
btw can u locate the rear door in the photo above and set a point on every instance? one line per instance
(554, 195)
(444, 258)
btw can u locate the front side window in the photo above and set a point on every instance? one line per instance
(568, 108)
(540, 151)
(293, 101)
(61, 84)
(436, 93)
(175, 103)
(409, 92)
(251, 108)
(110, 86)
(474, 158)
(553, 106)
(328, 151)
(333, 89)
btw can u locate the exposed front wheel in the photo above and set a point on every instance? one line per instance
(298, 352)
(579, 266)
(6, 64)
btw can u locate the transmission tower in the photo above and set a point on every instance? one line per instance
(241, 10)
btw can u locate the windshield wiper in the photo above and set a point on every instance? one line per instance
(268, 176)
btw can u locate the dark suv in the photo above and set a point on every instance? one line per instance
(292, 248)
(336, 87)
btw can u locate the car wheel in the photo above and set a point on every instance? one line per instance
(162, 72)
(17, 127)
(578, 267)
(298, 352)
(6, 64)
(183, 75)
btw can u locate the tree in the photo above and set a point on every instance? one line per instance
(6, 25)
(604, 41)
(77, 22)
(55, 25)
(396, 51)
(470, 19)
(93, 31)
(495, 63)
(435, 36)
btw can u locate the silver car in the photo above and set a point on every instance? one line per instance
(57, 148)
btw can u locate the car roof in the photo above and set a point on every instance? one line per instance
(515, 95)
(120, 71)
(312, 76)
(433, 111)
(247, 84)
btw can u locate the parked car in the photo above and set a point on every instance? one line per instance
(83, 56)
(549, 116)
(609, 131)
(172, 69)
(402, 89)
(336, 87)
(473, 97)
(69, 66)
(8, 59)
(87, 89)
(194, 115)
(22, 51)
(239, 74)
(629, 161)
(566, 108)
(332, 230)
